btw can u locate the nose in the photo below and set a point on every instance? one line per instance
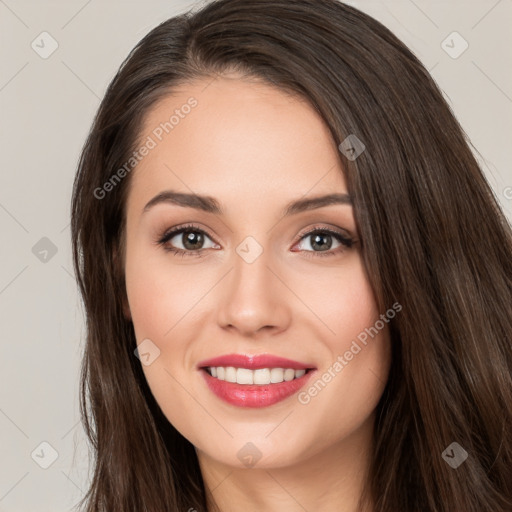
(253, 298)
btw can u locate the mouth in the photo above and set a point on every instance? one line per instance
(254, 381)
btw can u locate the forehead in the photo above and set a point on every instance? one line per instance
(233, 138)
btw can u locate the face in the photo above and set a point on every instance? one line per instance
(250, 280)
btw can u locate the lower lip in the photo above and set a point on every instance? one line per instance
(252, 395)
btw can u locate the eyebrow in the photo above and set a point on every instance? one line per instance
(211, 205)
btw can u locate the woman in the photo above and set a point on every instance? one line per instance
(297, 281)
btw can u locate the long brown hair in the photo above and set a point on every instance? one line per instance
(433, 238)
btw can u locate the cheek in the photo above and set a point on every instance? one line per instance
(361, 341)
(357, 354)
(161, 297)
(341, 299)
(160, 293)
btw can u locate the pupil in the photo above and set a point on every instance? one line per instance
(193, 240)
(322, 247)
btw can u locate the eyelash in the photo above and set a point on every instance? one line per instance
(168, 235)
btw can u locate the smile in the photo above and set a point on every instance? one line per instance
(260, 377)
(254, 380)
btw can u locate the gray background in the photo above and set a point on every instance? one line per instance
(46, 109)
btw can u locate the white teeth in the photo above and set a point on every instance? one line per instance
(289, 374)
(276, 375)
(230, 375)
(244, 376)
(261, 376)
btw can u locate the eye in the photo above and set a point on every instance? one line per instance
(322, 239)
(190, 237)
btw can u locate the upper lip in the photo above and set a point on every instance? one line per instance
(253, 362)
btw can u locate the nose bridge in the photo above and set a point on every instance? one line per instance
(253, 296)
(250, 270)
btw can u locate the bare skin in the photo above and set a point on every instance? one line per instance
(255, 149)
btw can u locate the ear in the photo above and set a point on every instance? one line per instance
(119, 274)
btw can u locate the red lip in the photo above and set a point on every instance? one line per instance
(255, 396)
(253, 362)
